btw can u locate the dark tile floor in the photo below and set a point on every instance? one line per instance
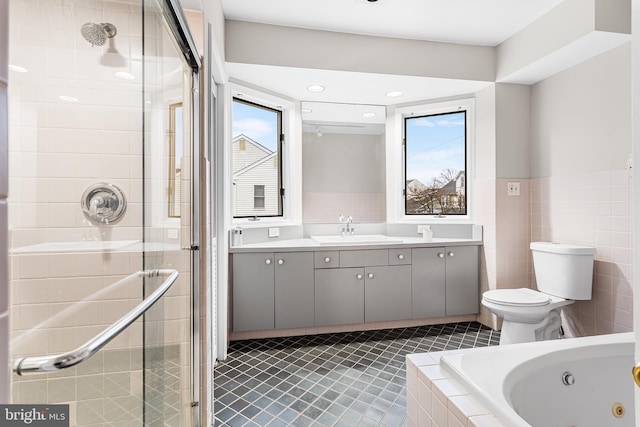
(343, 379)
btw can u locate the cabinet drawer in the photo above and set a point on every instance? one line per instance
(327, 259)
(399, 256)
(365, 258)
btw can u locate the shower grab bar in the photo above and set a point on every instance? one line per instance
(58, 362)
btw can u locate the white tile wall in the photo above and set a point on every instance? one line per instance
(4, 177)
(592, 209)
(435, 399)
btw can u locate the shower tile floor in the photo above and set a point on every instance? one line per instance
(343, 379)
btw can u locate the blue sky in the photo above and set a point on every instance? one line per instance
(434, 143)
(257, 123)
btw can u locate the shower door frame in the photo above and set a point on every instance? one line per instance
(177, 23)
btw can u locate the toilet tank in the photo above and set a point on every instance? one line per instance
(563, 270)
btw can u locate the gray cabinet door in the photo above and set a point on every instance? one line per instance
(387, 293)
(294, 307)
(462, 280)
(253, 291)
(428, 282)
(339, 296)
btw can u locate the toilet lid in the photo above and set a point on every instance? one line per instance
(517, 297)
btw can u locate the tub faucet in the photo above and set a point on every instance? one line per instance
(348, 229)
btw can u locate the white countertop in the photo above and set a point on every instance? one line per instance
(307, 244)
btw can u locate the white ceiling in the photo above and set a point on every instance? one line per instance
(478, 22)
(475, 22)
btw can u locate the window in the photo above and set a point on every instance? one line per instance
(258, 196)
(436, 164)
(175, 158)
(257, 160)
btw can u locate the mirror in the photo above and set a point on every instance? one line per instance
(343, 162)
(175, 158)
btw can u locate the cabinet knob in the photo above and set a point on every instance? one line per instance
(400, 256)
(280, 261)
(451, 254)
(359, 276)
(440, 255)
(370, 275)
(267, 261)
(327, 259)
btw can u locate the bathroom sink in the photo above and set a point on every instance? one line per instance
(356, 239)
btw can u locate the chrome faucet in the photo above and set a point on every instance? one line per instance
(348, 229)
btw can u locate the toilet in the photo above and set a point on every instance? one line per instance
(564, 273)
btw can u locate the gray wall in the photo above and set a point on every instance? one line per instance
(253, 43)
(513, 114)
(486, 133)
(580, 120)
(343, 163)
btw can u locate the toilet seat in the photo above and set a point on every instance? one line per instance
(522, 297)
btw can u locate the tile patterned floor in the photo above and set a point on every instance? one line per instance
(343, 379)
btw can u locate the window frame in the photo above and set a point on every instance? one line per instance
(279, 135)
(405, 120)
(396, 159)
(290, 157)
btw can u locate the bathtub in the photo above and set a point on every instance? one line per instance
(581, 382)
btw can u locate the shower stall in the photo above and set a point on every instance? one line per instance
(103, 204)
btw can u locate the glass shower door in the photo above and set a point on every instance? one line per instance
(97, 138)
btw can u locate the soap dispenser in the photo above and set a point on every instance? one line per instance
(236, 236)
(427, 234)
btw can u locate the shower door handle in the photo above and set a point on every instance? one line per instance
(27, 365)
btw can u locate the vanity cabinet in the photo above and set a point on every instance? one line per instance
(368, 286)
(273, 290)
(286, 290)
(445, 281)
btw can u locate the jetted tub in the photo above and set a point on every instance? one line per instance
(581, 382)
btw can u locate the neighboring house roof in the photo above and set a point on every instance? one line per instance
(414, 183)
(255, 143)
(254, 165)
(451, 187)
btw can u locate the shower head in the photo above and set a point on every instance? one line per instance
(97, 34)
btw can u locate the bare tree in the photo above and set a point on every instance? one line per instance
(439, 197)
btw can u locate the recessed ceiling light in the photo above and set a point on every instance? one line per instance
(17, 68)
(394, 94)
(369, 114)
(315, 88)
(306, 110)
(67, 98)
(124, 75)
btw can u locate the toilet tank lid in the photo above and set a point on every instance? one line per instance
(562, 248)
